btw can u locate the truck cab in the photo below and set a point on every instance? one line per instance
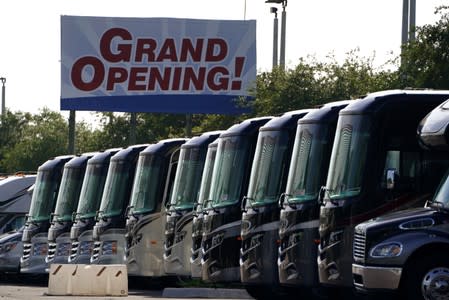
(178, 228)
(35, 232)
(375, 144)
(260, 216)
(145, 217)
(88, 204)
(222, 218)
(110, 227)
(59, 232)
(406, 251)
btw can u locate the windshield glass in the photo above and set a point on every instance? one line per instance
(92, 189)
(116, 188)
(44, 195)
(148, 183)
(270, 165)
(188, 178)
(308, 162)
(206, 178)
(442, 193)
(229, 169)
(69, 193)
(348, 156)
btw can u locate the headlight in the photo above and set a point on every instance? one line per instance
(6, 247)
(109, 248)
(335, 236)
(63, 249)
(386, 250)
(217, 239)
(40, 249)
(86, 247)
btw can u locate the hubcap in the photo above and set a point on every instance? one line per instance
(435, 284)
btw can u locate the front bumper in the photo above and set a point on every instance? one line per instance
(376, 278)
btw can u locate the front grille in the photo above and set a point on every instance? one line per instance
(74, 251)
(96, 251)
(26, 251)
(359, 245)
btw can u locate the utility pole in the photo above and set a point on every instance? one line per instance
(3, 80)
(274, 11)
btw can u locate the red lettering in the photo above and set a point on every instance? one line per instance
(77, 71)
(134, 77)
(116, 75)
(187, 48)
(217, 50)
(147, 47)
(123, 50)
(168, 51)
(176, 79)
(215, 81)
(157, 78)
(195, 78)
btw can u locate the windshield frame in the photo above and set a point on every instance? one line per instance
(45, 192)
(68, 194)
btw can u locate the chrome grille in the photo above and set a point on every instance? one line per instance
(359, 245)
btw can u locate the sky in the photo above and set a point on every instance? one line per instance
(30, 34)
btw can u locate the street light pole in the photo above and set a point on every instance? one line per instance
(274, 10)
(283, 29)
(3, 80)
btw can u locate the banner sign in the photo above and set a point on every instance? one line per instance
(156, 64)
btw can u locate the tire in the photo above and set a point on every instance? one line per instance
(427, 278)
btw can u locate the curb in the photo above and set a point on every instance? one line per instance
(205, 293)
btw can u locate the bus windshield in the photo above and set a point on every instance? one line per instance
(229, 169)
(188, 178)
(269, 165)
(69, 192)
(206, 179)
(92, 190)
(116, 187)
(308, 164)
(148, 182)
(44, 196)
(349, 155)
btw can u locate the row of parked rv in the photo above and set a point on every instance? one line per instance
(294, 202)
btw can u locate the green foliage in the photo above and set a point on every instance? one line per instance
(425, 61)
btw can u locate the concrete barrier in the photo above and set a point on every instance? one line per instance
(88, 280)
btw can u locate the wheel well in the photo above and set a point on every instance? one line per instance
(433, 249)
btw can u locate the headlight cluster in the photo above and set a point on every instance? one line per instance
(109, 248)
(386, 250)
(86, 248)
(335, 236)
(8, 246)
(40, 249)
(217, 239)
(64, 249)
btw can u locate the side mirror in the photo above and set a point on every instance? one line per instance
(243, 204)
(391, 178)
(321, 195)
(281, 200)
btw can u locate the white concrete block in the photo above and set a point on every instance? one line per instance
(88, 280)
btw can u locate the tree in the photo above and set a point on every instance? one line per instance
(425, 61)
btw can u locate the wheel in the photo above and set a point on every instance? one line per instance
(427, 279)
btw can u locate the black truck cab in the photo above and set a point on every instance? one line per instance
(406, 251)
(375, 146)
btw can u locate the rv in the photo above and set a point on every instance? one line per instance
(88, 204)
(59, 244)
(299, 215)
(405, 251)
(375, 144)
(260, 217)
(145, 218)
(37, 222)
(108, 233)
(178, 228)
(222, 220)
